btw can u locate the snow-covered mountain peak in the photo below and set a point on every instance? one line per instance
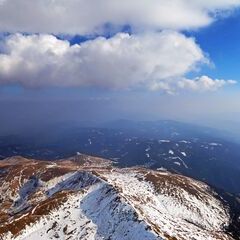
(87, 197)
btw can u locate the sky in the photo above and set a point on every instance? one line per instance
(99, 60)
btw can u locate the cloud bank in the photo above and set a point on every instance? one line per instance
(157, 61)
(204, 83)
(121, 62)
(156, 56)
(90, 16)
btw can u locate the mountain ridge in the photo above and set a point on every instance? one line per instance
(89, 198)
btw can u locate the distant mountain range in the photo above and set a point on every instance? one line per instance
(203, 153)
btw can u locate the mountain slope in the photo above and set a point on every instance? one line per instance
(87, 198)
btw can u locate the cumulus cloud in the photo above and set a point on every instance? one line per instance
(89, 16)
(204, 83)
(153, 57)
(154, 60)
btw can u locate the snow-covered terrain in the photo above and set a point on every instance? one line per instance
(87, 198)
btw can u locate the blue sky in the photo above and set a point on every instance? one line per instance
(221, 41)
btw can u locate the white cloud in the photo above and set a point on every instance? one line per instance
(149, 58)
(153, 60)
(89, 16)
(204, 83)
